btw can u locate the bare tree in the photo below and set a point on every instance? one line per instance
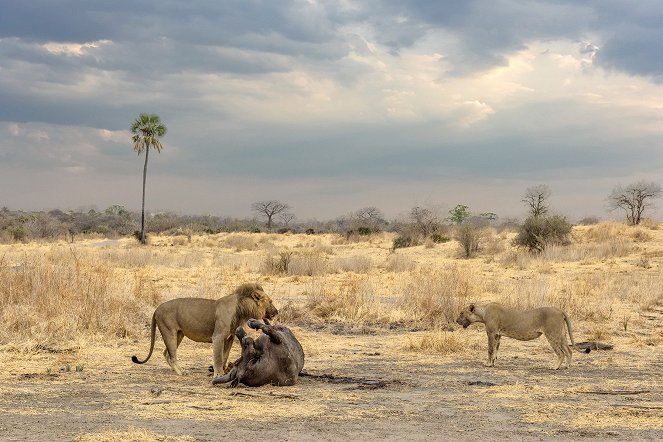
(269, 209)
(425, 221)
(634, 199)
(536, 200)
(287, 217)
(370, 217)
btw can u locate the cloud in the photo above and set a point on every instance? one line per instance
(375, 93)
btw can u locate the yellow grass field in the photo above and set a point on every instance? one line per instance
(386, 361)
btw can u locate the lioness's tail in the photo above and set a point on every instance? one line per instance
(568, 326)
(154, 326)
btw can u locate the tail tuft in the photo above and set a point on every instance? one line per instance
(135, 360)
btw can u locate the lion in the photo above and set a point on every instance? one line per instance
(522, 325)
(208, 320)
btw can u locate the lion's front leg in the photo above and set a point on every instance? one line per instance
(219, 351)
(227, 365)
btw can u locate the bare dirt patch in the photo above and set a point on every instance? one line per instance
(362, 387)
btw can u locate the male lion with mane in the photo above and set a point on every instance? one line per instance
(522, 325)
(208, 320)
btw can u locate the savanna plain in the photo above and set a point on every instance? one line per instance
(384, 358)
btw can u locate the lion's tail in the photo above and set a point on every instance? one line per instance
(152, 333)
(568, 326)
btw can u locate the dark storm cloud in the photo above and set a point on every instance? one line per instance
(483, 32)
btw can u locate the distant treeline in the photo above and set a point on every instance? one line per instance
(116, 221)
(416, 227)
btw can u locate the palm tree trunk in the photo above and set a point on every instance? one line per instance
(142, 211)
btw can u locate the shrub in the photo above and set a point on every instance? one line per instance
(364, 231)
(439, 239)
(278, 265)
(403, 241)
(468, 236)
(436, 296)
(539, 231)
(18, 233)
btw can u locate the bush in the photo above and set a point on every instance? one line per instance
(403, 241)
(18, 233)
(364, 231)
(439, 239)
(538, 232)
(468, 236)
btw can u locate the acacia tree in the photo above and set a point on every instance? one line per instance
(459, 213)
(268, 209)
(146, 130)
(634, 199)
(536, 200)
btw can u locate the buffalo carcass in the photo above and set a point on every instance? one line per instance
(275, 357)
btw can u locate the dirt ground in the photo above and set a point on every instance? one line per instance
(361, 387)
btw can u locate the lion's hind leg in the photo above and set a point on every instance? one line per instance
(172, 341)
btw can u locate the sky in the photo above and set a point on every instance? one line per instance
(330, 106)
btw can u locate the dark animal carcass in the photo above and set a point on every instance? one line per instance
(275, 357)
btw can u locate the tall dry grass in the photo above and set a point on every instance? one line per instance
(54, 293)
(57, 296)
(355, 301)
(436, 296)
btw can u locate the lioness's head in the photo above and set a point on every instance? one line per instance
(255, 302)
(468, 316)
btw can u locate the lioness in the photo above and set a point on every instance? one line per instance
(521, 325)
(208, 320)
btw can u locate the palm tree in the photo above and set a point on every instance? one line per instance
(147, 130)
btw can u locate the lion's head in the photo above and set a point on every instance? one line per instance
(468, 316)
(253, 302)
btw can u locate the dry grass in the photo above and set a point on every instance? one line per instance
(54, 292)
(54, 297)
(380, 315)
(434, 296)
(131, 435)
(441, 342)
(355, 301)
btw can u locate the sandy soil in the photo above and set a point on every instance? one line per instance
(372, 390)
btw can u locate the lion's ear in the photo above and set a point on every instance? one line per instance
(256, 295)
(472, 308)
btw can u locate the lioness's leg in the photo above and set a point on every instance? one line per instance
(567, 351)
(555, 342)
(492, 349)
